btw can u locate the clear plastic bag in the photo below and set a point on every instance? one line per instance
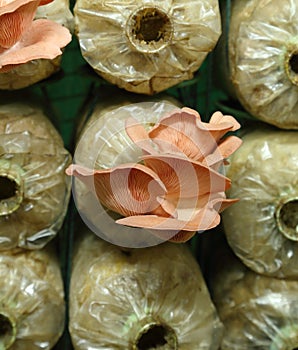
(146, 47)
(153, 298)
(262, 227)
(34, 189)
(259, 47)
(258, 312)
(31, 300)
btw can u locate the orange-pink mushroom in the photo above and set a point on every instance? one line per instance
(22, 39)
(175, 188)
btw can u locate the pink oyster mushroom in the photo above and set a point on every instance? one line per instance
(176, 189)
(182, 132)
(22, 39)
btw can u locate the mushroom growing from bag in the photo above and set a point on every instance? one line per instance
(24, 40)
(166, 178)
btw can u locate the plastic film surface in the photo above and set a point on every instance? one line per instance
(262, 227)
(262, 59)
(146, 47)
(31, 300)
(258, 312)
(120, 298)
(34, 190)
(57, 11)
(34, 71)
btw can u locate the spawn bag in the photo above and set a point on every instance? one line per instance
(152, 298)
(260, 49)
(258, 312)
(262, 227)
(31, 300)
(34, 190)
(146, 47)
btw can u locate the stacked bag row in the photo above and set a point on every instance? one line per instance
(34, 190)
(255, 287)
